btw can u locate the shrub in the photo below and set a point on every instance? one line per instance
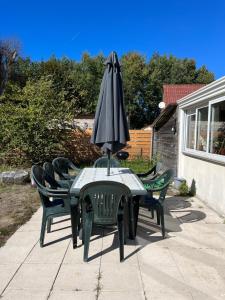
(30, 118)
(183, 189)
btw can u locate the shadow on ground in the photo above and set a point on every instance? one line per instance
(178, 210)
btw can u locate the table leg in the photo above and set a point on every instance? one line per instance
(136, 212)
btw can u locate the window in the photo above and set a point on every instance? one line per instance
(190, 131)
(202, 125)
(217, 128)
(205, 130)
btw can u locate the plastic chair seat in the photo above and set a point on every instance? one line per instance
(151, 201)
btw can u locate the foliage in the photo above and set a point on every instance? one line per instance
(143, 80)
(183, 189)
(134, 70)
(41, 95)
(30, 120)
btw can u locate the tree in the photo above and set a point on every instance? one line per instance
(40, 96)
(171, 70)
(134, 74)
(7, 56)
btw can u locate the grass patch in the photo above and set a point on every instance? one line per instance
(138, 165)
(18, 203)
(4, 168)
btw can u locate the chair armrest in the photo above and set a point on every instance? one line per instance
(152, 170)
(65, 183)
(61, 192)
(73, 167)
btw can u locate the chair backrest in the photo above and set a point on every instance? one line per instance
(50, 175)
(48, 167)
(40, 177)
(102, 162)
(163, 180)
(61, 167)
(105, 199)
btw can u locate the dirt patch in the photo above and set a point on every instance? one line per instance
(17, 204)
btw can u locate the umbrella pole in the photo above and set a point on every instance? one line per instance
(108, 166)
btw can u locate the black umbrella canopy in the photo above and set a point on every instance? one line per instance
(110, 130)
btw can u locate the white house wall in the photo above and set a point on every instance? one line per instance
(209, 175)
(209, 180)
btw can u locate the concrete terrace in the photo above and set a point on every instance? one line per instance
(188, 264)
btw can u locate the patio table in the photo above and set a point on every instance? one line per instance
(87, 175)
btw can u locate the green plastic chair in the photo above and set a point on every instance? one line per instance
(160, 184)
(102, 162)
(104, 203)
(49, 169)
(62, 166)
(58, 206)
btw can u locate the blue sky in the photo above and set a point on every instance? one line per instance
(193, 29)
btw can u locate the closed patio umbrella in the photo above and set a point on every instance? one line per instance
(110, 131)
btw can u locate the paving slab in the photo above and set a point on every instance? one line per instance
(123, 277)
(6, 274)
(203, 279)
(110, 250)
(52, 254)
(23, 239)
(75, 256)
(34, 277)
(155, 256)
(14, 254)
(112, 295)
(188, 264)
(77, 277)
(71, 295)
(25, 295)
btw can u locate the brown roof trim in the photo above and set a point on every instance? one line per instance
(164, 116)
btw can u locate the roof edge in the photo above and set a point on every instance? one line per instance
(217, 85)
(168, 108)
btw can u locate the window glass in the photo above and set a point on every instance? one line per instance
(202, 125)
(217, 128)
(190, 131)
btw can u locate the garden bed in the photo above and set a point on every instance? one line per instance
(18, 203)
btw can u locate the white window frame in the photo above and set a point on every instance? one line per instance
(196, 127)
(194, 152)
(188, 115)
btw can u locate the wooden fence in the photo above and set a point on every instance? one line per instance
(80, 149)
(140, 144)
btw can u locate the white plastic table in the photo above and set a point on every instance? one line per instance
(122, 175)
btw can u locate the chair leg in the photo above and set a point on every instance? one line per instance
(87, 233)
(43, 226)
(152, 212)
(158, 215)
(79, 219)
(162, 221)
(121, 236)
(49, 223)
